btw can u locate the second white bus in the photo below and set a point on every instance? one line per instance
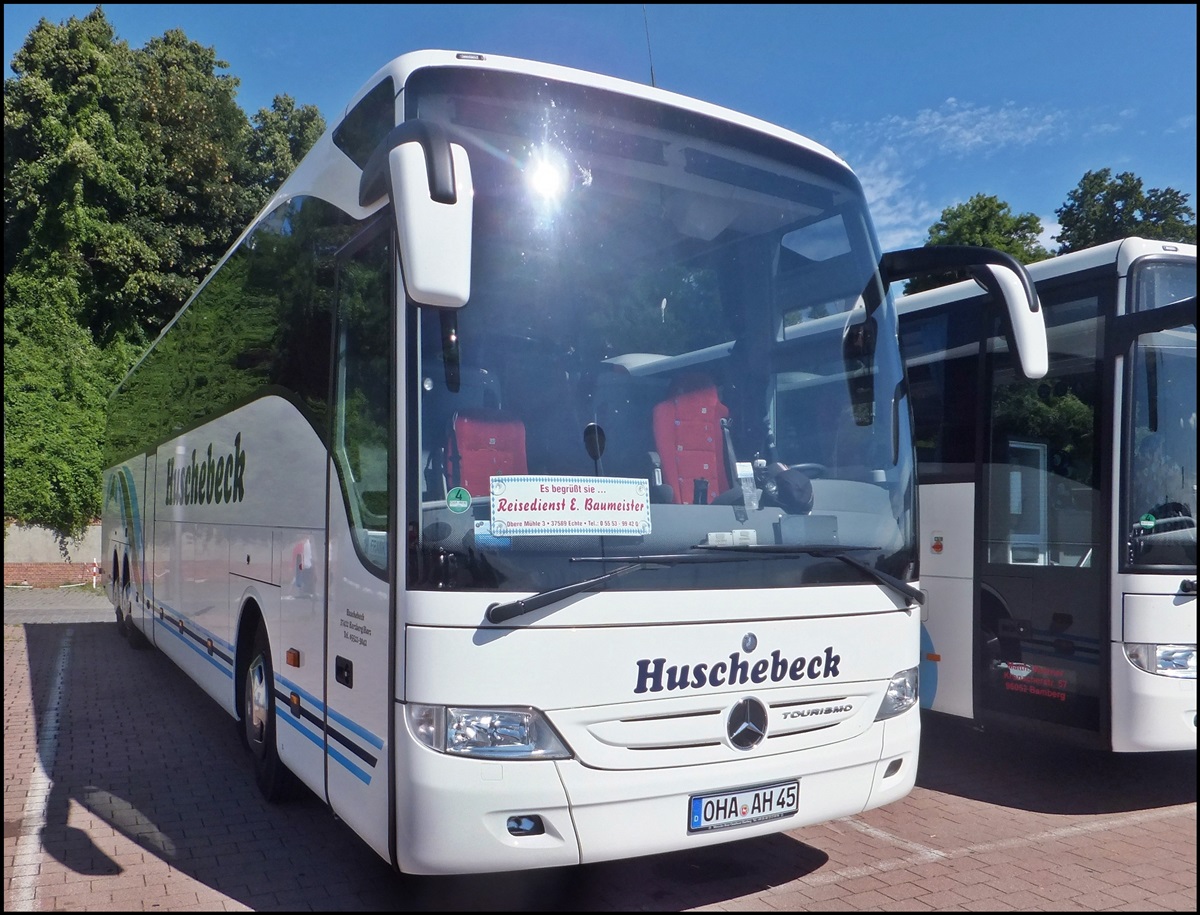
(1058, 516)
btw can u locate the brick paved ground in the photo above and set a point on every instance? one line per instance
(126, 788)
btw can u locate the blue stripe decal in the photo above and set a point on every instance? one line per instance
(284, 714)
(350, 767)
(362, 732)
(199, 649)
(282, 711)
(345, 722)
(303, 693)
(193, 626)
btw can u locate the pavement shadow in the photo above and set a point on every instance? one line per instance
(672, 882)
(144, 751)
(1040, 774)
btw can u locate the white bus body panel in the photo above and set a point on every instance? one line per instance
(213, 554)
(302, 629)
(1152, 712)
(639, 757)
(947, 542)
(359, 638)
(615, 815)
(209, 558)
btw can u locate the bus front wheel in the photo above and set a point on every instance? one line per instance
(258, 722)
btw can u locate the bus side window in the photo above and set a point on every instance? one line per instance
(363, 402)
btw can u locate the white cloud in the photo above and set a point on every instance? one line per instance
(1050, 228)
(1184, 124)
(901, 215)
(890, 155)
(961, 128)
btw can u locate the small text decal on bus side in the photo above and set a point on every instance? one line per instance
(735, 671)
(207, 479)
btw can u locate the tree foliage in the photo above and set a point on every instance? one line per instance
(1102, 208)
(127, 174)
(56, 381)
(282, 135)
(988, 221)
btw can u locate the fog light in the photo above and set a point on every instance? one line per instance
(893, 768)
(530, 825)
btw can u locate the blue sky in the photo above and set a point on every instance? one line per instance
(930, 104)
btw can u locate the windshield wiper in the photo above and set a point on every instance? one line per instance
(833, 552)
(499, 613)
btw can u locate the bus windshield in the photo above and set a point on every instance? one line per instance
(676, 338)
(1160, 449)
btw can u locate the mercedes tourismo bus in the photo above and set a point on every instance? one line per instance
(1058, 516)
(533, 479)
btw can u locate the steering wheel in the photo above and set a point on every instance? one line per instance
(810, 469)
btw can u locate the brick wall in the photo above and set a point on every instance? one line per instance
(35, 556)
(49, 574)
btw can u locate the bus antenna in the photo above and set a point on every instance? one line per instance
(649, 53)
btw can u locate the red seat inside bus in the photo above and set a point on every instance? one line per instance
(483, 442)
(690, 440)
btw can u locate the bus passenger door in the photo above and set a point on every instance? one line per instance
(1041, 593)
(362, 472)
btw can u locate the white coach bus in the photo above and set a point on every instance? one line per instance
(1058, 517)
(533, 479)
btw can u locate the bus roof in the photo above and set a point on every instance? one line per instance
(1121, 253)
(400, 68)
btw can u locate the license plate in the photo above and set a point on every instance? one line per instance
(743, 806)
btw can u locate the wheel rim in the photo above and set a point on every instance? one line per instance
(256, 705)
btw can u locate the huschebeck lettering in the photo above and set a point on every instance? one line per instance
(207, 479)
(654, 675)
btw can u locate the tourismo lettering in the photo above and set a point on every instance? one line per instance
(206, 479)
(734, 672)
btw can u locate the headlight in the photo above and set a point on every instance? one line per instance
(901, 695)
(486, 733)
(1164, 660)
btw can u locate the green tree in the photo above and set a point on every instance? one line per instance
(56, 382)
(988, 221)
(134, 169)
(1103, 208)
(70, 167)
(127, 174)
(282, 135)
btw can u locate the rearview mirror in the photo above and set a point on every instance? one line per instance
(428, 180)
(1001, 274)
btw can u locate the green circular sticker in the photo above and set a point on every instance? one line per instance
(458, 500)
(1147, 521)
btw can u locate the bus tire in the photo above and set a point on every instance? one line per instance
(136, 637)
(129, 631)
(115, 594)
(258, 722)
